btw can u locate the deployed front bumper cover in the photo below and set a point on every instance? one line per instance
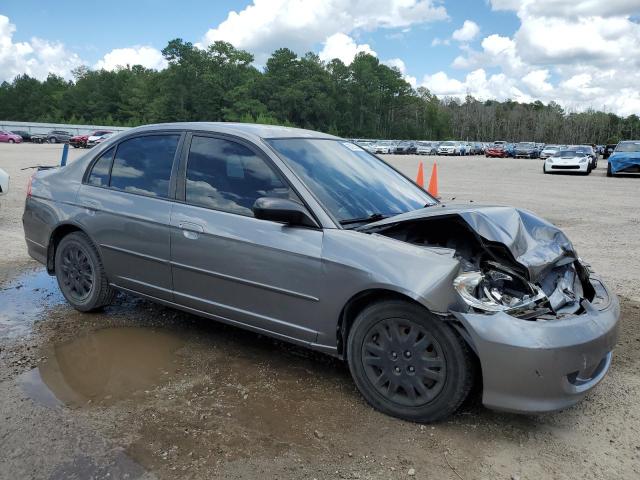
(538, 366)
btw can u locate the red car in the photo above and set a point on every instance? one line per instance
(496, 151)
(9, 137)
(80, 141)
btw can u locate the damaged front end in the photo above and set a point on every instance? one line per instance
(510, 260)
(542, 324)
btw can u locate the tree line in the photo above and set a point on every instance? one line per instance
(365, 99)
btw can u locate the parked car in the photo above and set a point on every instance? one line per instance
(26, 136)
(381, 147)
(568, 161)
(107, 136)
(8, 137)
(405, 148)
(625, 158)
(550, 150)
(94, 140)
(4, 182)
(450, 148)
(526, 150)
(426, 148)
(38, 137)
(608, 150)
(347, 256)
(58, 136)
(496, 150)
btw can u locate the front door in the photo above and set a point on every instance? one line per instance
(229, 264)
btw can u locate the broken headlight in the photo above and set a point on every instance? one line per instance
(496, 291)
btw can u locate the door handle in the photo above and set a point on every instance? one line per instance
(191, 227)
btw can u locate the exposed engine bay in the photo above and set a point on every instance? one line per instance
(491, 279)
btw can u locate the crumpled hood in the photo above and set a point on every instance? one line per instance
(535, 244)
(621, 160)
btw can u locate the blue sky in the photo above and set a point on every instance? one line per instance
(570, 51)
(147, 22)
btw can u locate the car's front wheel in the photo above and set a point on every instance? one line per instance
(80, 273)
(609, 172)
(408, 363)
(53, 140)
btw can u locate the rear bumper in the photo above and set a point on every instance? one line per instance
(540, 366)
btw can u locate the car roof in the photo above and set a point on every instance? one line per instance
(247, 130)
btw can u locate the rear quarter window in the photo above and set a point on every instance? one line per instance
(99, 175)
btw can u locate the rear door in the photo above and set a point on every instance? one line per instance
(229, 264)
(127, 199)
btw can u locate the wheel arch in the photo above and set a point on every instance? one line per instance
(58, 233)
(359, 302)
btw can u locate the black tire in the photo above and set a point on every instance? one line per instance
(11, 140)
(609, 172)
(53, 140)
(426, 344)
(544, 168)
(80, 273)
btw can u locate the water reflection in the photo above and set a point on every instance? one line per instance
(103, 367)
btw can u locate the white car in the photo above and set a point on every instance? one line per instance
(382, 147)
(4, 182)
(449, 148)
(568, 161)
(425, 148)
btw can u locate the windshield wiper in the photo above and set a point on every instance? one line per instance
(371, 218)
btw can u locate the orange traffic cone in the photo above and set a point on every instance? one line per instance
(420, 177)
(433, 181)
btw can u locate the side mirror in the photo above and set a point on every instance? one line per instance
(4, 182)
(283, 210)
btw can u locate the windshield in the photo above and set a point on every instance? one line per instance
(628, 147)
(447, 144)
(348, 181)
(567, 154)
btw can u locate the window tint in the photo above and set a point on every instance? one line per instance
(225, 175)
(143, 165)
(100, 172)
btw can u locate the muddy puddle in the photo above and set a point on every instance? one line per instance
(103, 367)
(26, 299)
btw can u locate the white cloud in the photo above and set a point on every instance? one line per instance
(36, 57)
(579, 53)
(476, 83)
(266, 25)
(138, 55)
(440, 41)
(343, 47)
(467, 32)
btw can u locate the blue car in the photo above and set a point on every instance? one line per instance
(625, 158)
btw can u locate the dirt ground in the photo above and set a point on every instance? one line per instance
(143, 391)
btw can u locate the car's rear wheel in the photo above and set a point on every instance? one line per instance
(80, 273)
(408, 363)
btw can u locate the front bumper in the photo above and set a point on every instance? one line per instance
(568, 167)
(540, 366)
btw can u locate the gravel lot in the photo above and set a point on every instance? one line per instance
(142, 391)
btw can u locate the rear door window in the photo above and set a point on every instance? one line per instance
(143, 165)
(99, 175)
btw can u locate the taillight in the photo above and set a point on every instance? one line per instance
(29, 185)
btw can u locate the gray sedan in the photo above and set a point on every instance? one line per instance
(311, 239)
